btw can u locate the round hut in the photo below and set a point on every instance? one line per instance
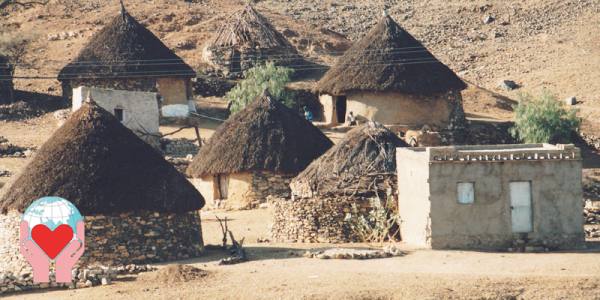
(137, 207)
(247, 38)
(359, 168)
(6, 81)
(124, 55)
(391, 78)
(255, 154)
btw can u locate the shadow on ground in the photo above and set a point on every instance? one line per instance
(30, 105)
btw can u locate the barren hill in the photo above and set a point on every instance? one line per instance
(539, 44)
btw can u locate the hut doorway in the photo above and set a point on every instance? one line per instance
(221, 184)
(236, 62)
(340, 108)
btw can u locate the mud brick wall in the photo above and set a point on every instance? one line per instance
(314, 220)
(140, 238)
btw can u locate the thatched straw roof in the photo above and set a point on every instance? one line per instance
(351, 167)
(389, 59)
(248, 29)
(124, 49)
(103, 168)
(265, 135)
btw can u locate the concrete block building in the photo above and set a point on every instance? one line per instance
(138, 111)
(491, 197)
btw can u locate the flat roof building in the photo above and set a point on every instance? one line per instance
(491, 197)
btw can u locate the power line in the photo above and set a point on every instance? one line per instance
(302, 67)
(391, 50)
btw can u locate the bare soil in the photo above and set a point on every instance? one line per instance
(275, 271)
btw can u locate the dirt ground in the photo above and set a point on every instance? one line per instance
(272, 273)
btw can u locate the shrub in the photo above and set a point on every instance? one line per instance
(378, 225)
(544, 120)
(256, 80)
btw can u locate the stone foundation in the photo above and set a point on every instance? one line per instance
(140, 237)
(314, 220)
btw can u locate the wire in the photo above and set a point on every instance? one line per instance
(391, 50)
(305, 67)
(207, 117)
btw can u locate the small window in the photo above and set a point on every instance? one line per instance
(119, 114)
(466, 192)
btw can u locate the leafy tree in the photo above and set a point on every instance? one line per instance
(544, 120)
(256, 80)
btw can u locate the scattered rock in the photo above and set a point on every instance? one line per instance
(174, 273)
(508, 85)
(488, 19)
(349, 253)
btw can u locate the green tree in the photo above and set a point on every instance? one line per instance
(256, 80)
(543, 119)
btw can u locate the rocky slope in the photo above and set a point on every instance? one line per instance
(540, 44)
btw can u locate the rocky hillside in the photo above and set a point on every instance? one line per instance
(540, 44)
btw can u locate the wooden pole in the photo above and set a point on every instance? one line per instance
(198, 136)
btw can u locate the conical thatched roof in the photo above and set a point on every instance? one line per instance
(246, 28)
(103, 168)
(389, 59)
(123, 49)
(352, 166)
(265, 135)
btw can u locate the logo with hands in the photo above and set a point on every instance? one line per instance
(52, 229)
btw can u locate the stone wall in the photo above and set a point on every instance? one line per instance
(141, 237)
(314, 220)
(245, 190)
(265, 184)
(180, 147)
(10, 257)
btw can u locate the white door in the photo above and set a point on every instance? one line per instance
(520, 205)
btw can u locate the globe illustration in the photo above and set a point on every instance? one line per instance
(52, 212)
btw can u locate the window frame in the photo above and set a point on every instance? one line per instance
(458, 198)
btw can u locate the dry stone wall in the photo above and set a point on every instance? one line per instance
(140, 238)
(314, 220)
(265, 184)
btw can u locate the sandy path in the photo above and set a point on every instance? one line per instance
(273, 273)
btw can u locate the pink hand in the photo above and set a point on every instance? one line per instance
(67, 258)
(34, 255)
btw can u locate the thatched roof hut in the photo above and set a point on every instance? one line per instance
(124, 48)
(354, 166)
(245, 38)
(265, 135)
(6, 83)
(254, 155)
(103, 168)
(389, 59)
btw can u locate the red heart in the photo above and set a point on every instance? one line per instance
(52, 242)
